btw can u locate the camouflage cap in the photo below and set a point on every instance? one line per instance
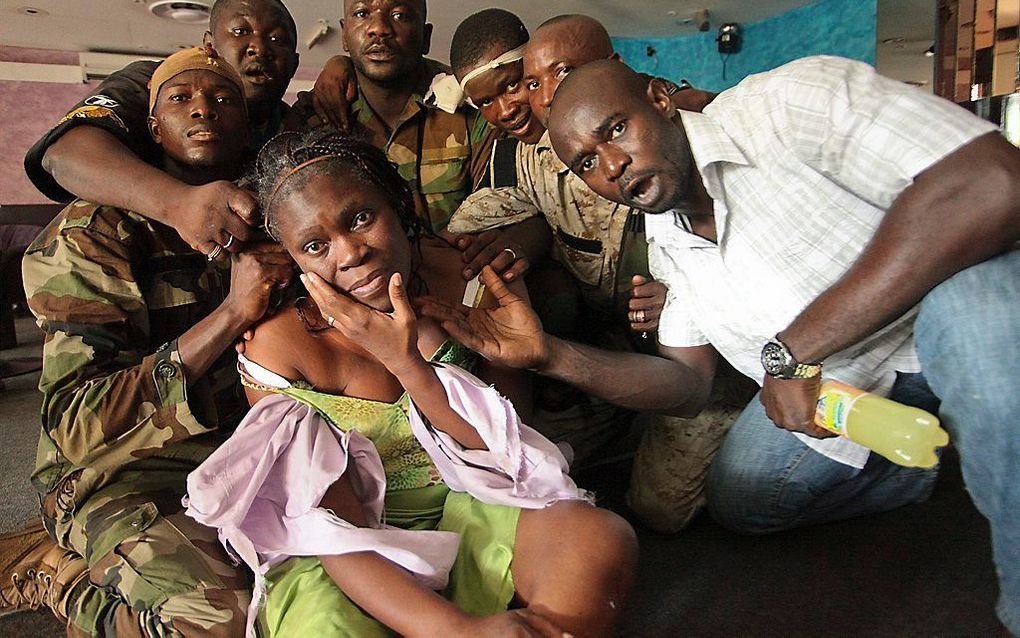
(196, 58)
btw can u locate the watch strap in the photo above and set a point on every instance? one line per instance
(805, 371)
(794, 369)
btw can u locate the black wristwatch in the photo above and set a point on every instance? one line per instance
(779, 363)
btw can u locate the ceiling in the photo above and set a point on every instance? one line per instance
(906, 28)
(127, 26)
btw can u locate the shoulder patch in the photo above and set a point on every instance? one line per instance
(94, 112)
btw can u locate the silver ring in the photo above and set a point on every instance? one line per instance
(511, 251)
(330, 319)
(230, 242)
(641, 315)
(215, 253)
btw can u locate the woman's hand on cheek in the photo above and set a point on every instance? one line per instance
(392, 338)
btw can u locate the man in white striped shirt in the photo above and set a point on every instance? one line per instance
(821, 219)
(844, 224)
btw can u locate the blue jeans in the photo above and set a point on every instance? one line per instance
(968, 340)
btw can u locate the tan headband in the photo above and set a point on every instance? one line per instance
(448, 94)
(507, 58)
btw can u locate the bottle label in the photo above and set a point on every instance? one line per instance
(833, 408)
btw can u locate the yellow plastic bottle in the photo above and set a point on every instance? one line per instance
(905, 435)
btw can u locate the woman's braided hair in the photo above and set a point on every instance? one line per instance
(289, 160)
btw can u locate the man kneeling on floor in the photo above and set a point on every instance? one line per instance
(816, 220)
(139, 387)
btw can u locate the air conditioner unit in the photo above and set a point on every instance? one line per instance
(96, 66)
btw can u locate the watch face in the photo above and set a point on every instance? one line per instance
(773, 358)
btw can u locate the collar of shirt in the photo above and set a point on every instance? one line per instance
(364, 113)
(710, 146)
(544, 150)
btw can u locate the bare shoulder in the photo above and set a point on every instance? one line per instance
(297, 345)
(278, 342)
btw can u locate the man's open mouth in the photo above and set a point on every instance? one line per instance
(520, 125)
(257, 74)
(641, 189)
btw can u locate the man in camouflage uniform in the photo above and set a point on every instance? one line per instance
(102, 151)
(139, 384)
(441, 155)
(602, 245)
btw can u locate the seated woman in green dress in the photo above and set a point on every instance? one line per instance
(539, 560)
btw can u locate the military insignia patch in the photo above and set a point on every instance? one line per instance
(95, 112)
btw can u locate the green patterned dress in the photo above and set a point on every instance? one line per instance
(301, 598)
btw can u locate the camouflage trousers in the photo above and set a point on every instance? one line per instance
(153, 571)
(667, 482)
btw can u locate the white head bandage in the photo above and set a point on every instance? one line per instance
(448, 94)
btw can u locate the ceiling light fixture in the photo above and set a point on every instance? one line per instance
(699, 18)
(189, 12)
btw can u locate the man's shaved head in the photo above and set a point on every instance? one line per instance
(556, 48)
(612, 128)
(595, 37)
(593, 81)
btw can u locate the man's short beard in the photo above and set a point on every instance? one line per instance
(399, 76)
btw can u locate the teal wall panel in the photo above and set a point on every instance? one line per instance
(832, 27)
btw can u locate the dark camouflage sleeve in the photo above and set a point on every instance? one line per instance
(120, 106)
(108, 399)
(496, 207)
(481, 137)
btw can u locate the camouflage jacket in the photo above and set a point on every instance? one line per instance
(600, 242)
(113, 291)
(441, 155)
